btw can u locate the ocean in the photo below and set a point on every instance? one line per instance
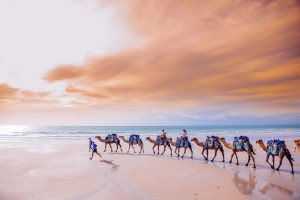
(84, 132)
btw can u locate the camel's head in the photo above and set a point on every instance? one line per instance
(297, 141)
(147, 138)
(121, 136)
(259, 141)
(98, 137)
(170, 139)
(222, 139)
(194, 139)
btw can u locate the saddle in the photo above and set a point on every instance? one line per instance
(211, 141)
(241, 142)
(182, 142)
(134, 138)
(274, 146)
(161, 141)
(112, 137)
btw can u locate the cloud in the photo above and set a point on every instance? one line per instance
(16, 98)
(197, 53)
(6, 93)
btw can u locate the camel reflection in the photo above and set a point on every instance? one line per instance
(270, 187)
(243, 185)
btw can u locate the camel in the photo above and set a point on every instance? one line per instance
(249, 151)
(297, 147)
(178, 153)
(216, 147)
(140, 143)
(117, 142)
(283, 151)
(155, 144)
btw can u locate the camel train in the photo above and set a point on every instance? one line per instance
(274, 148)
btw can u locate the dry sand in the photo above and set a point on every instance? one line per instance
(60, 169)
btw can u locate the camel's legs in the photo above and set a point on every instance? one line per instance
(192, 153)
(248, 160)
(280, 162)
(158, 149)
(253, 159)
(153, 148)
(133, 148)
(141, 147)
(291, 163)
(222, 151)
(128, 148)
(212, 160)
(289, 157)
(117, 147)
(178, 152)
(203, 153)
(110, 147)
(164, 150)
(183, 152)
(120, 146)
(267, 160)
(170, 148)
(273, 160)
(237, 159)
(230, 161)
(207, 154)
(105, 147)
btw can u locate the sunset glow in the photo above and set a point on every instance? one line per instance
(69, 62)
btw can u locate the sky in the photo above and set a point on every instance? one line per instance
(171, 62)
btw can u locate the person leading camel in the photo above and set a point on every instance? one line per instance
(94, 150)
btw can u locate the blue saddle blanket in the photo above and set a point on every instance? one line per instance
(274, 146)
(161, 141)
(134, 139)
(112, 138)
(182, 142)
(211, 141)
(241, 142)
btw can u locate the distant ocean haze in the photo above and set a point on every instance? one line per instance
(84, 132)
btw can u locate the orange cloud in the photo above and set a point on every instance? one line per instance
(6, 93)
(198, 53)
(14, 98)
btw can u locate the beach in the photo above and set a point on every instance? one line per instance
(56, 168)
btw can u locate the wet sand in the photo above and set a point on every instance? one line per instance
(60, 169)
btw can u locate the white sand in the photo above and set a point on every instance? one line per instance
(60, 169)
